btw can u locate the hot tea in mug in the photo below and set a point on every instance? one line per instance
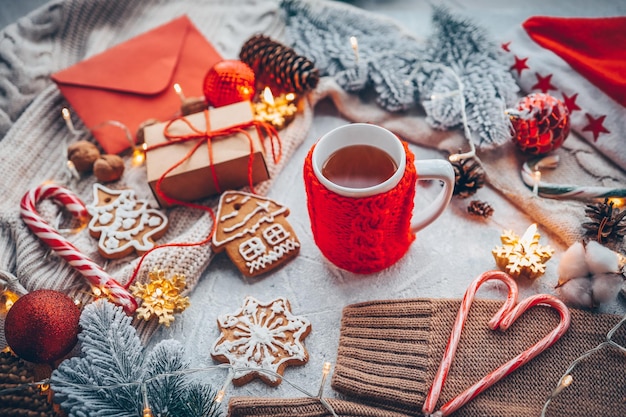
(359, 166)
(361, 181)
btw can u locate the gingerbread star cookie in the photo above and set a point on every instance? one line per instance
(261, 336)
(254, 232)
(122, 223)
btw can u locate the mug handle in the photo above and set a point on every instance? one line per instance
(433, 169)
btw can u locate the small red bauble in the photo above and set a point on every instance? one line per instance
(540, 123)
(42, 326)
(228, 82)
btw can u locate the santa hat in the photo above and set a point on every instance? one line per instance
(581, 61)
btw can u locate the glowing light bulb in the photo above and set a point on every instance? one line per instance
(268, 97)
(355, 47)
(139, 155)
(7, 299)
(179, 90)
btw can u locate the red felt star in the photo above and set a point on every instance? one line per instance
(570, 102)
(505, 46)
(520, 65)
(595, 126)
(543, 83)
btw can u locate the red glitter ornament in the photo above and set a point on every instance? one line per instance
(42, 326)
(228, 82)
(540, 123)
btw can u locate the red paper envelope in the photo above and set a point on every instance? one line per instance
(133, 81)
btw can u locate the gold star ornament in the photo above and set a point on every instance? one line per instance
(522, 256)
(161, 297)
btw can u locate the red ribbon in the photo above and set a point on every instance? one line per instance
(206, 136)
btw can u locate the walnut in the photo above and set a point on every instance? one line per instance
(108, 168)
(83, 154)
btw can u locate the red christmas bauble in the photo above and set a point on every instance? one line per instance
(42, 326)
(228, 82)
(540, 123)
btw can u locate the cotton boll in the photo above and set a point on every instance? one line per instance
(577, 292)
(600, 259)
(605, 287)
(572, 263)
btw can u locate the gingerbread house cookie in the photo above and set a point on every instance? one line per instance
(254, 232)
(122, 223)
(261, 337)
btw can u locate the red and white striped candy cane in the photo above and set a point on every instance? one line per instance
(457, 329)
(521, 359)
(96, 276)
(503, 319)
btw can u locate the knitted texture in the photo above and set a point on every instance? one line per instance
(362, 235)
(34, 136)
(390, 350)
(303, 407)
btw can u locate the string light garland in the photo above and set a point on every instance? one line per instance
(219, 397)
(531, 176)
(567, 379)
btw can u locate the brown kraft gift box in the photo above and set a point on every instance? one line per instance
(193, 179)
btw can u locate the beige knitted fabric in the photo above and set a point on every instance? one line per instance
(303, 407)
(34, 136)
(389, 352)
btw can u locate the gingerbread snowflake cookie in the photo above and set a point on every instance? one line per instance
(123, 224)
(263, 336)
(254, 232)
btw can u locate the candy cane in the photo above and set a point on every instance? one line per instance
(503, 319)
(96, 276)
(459, 323)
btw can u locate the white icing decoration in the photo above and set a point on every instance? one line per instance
(230, 199)
(273, 255)
(122, 220)
(232, 214)
(112, 242)
(261, 207)
(261, 338)
(106, 218)
(128, 223)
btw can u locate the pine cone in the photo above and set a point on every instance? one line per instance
(279, 65)
(21, 399)
(607, 223)
(480, 208)
(469, 176)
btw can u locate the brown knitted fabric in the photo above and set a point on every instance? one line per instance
(389, 352)
(301, 407)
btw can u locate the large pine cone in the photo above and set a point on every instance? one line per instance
(278, 65)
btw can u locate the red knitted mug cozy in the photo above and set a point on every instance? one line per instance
(366, 234)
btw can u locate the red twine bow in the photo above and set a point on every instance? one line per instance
(206, 136)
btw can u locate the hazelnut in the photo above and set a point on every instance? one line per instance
(83, 154)
(108, 168)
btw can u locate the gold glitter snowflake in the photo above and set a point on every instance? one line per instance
(161, 297)
(522, 256)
